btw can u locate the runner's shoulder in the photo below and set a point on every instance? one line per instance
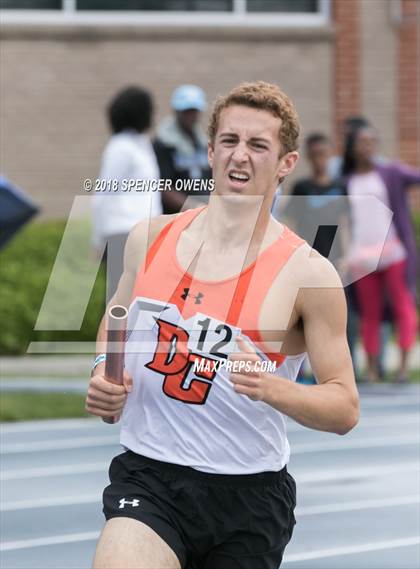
(319, 285)
(146, 230)
(140, 239)
(313, 270)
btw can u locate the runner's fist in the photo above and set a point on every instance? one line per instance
(104, 397)
(246, 375)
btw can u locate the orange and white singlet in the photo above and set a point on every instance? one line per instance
(183, 408)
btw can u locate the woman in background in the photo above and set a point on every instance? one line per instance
(128, 155)
(394, 260)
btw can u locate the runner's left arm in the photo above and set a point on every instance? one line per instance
(333, 404)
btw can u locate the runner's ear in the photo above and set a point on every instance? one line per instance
(287, 164)
(210, 153)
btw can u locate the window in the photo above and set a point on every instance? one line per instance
(236, 6)
(158, 5)
(201, 5)
(171, 12)
(282, 6)
(32, 4)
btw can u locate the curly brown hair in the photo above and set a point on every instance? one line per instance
(263, 96)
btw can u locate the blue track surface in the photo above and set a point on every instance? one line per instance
(358, 495)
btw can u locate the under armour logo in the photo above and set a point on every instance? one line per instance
(197, 297)
(123, 502)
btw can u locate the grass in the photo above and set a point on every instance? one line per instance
(29, 405)
(413, 376)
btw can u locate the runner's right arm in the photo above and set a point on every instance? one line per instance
(106, 399)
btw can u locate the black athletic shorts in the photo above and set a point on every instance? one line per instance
(211, 521)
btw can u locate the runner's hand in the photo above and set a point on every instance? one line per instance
(104, 397)
(250, 382)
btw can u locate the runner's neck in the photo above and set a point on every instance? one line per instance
(230, 221)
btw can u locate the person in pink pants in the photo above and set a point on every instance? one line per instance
(370, 294)
(394, 259)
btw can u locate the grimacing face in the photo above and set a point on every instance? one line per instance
(246, 156)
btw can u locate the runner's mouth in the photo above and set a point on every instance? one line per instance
(238, 177)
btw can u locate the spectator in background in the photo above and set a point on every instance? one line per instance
(335, 167)
(350, 124)
(315, 212)
(396, 271)
(16, 209)
(128, 155)
(181, 145)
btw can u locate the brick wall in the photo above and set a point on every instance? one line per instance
(409, 89)
(346, 86)
(409, 82)
(56, 84)
(379, 72)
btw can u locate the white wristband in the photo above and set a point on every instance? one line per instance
(99, 359)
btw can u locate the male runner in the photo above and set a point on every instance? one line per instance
(203, 482)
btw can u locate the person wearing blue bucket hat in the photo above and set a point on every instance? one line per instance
(188, 97)
(181, 145)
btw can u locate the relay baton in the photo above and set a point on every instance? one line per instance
(114, 363)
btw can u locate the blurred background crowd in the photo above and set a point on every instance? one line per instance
(121, 90)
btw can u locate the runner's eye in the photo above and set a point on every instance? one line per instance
(258, 146)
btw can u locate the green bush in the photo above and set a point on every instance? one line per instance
(25, 267)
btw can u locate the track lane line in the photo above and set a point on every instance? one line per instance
(349, 444)
(53, 540)
(59, 444)
(359, 505)
(50, 502)
(302, 477)
(351, 549)
(111, 440)
(400, 420)
(304, 556)
(410, 500)
(48, 471)
(50, 425)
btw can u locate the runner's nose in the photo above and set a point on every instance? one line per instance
(240, 153)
